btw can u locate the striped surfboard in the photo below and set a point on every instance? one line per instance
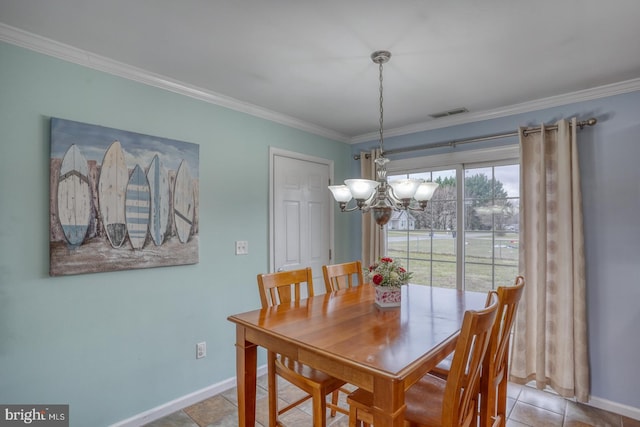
(137, 208)
(183, 202)
(74, 196)
(159, 191)
(112, 185)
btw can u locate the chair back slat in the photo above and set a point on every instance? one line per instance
(284, 287)
(341, 276)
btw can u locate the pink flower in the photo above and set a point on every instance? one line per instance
(389, 260)
(377, 279)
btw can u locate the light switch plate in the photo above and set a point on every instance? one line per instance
(201, 350)
(242, 247)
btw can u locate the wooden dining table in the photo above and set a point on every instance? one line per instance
(345, 334)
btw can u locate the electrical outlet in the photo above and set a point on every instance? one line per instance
(201, 350)
(242, 247)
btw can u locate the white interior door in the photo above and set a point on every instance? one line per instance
(301, 226)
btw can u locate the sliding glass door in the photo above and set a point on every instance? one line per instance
(468, 236)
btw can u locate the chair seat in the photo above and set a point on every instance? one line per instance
(360, 403)
(428, 389)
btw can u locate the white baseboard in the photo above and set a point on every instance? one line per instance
(182, 402)
(617, 408)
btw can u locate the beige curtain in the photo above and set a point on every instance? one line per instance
(373, 242)
(550, 345)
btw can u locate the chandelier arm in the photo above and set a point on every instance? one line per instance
(367, 203)
(345, 209)
(397, 202)
(420, 209)
(392, 196)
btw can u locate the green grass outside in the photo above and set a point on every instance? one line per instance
(490, 260)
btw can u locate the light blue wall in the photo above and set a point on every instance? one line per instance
(113, 345)
(609, 160)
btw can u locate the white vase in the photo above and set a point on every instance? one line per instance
(388, 296)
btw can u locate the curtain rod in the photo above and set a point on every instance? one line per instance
(526, 131)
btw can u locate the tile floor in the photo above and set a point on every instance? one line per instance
(526, 407)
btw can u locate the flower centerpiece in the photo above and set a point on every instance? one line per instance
(388, 275)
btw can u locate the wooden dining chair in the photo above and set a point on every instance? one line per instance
(340, 276)
(433, 401)
(283, 288)
(494, 379)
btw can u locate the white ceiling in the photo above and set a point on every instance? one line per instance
(309, 60)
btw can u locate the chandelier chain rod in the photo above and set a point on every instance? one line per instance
(381, 114)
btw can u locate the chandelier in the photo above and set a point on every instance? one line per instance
(382, 197)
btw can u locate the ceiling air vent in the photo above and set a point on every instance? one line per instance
(448, 113)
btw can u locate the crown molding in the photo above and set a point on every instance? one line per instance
(525, 107)
(68, 53)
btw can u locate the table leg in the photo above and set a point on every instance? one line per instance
(388, 403)
(246, 366)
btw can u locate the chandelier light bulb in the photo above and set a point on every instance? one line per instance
(425, 191)
(361, 189)
(404, 189)
(341, 193)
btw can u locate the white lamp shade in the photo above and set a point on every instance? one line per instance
(404, 189)
(425, 191)
(361, 189)
(341, 193)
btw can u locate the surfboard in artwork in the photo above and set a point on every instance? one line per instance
(112, 186)
(159, 199)
(137, 208)
(183, 202)
(74, 196)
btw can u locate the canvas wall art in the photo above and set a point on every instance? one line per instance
(120, 200)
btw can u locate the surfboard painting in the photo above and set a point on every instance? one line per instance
(74, 196)
(120, 200)
(137, 208)
(112, 186)
(158, 178)
(183, 202)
